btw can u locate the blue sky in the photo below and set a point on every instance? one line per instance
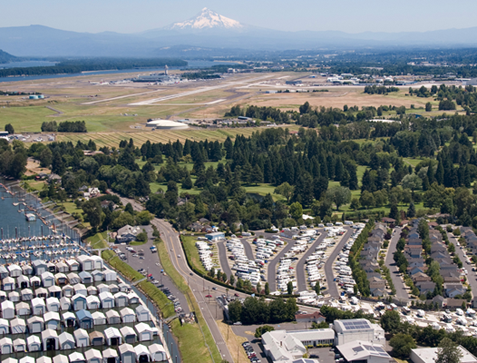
(353, 16)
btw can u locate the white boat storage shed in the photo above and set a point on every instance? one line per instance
(18, 326)
(158, 353)
(36, 324)
(6, 345)
(142, 353)
(107, 300)
(33, 343)
(93, 356)
(50, 340)
(60, 358)
(142, 313)
(127, 352)
(113, 336)
(77, 357)
(39, 306)
(8, 309)
(81, 337)
(4, 327)
(66, 341)
(144, 332)
(110, 356)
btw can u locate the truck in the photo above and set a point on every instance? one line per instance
(153, 249)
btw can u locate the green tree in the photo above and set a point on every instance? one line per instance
(428, 107)
(339, 195)
(402, 345)
(235, 311)
(94, 212)
(187, 183)
(390, 321)
(9, 128)
(296, 210)
(354, 204)
(290, 288)
(448, 352)
(411, 211)
(267, 289)
(232, 279)
(318, 288)
(262, 330)
(285, 190)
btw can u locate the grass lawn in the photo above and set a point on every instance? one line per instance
(192, 343)
(233, 341)
(126, 270)
(188, 242)
(99, 240)
(161, 300)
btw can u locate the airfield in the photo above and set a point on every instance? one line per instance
(115, 109)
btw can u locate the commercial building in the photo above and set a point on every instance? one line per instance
(215, 236)
(286, 346)
(364, 352)
(357, 329)
(429, 355)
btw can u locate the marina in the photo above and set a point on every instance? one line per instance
(60, 303)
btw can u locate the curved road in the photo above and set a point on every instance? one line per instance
(300, 267)
(223, 259)
(272, 266)
(248, 250)
(332, 288)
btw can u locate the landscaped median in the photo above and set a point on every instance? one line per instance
(193, 338)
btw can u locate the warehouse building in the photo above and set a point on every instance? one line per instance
(286, 346)
(363, 352)
(357, 329)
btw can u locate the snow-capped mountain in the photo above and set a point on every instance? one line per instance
(207, 19)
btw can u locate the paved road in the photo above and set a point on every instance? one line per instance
(401, 292)
(332, 287)
(223, 259)
(300, 267)
(248, 250)
(471, 278)
(272, 266)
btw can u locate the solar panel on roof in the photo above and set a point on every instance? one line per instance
(379, 349)
(369, 348)
(357, 349)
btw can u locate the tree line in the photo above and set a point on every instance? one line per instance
(65, 126)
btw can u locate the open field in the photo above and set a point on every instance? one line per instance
(113, 112)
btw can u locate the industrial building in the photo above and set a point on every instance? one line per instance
(429, 355)
(286, 346)
(357, 329)
(364, 352)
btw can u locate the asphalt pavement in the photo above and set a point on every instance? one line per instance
(401, 292)
(332, 287)
(300, 267)
(248, 250)
(471, 275)
(272, 266)
(223, 259)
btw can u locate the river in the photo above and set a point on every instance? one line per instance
(191, 65)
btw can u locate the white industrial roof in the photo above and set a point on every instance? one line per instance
(60, 358)
(429, 355)
(75, 357)
(110, 353)
(361, 350)
(43, 359)
(112, 332)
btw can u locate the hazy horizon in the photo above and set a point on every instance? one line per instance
(125, 16)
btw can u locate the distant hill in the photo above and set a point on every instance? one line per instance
(6, 57)
(211, 34)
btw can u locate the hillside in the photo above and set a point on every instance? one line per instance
(6, 57)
